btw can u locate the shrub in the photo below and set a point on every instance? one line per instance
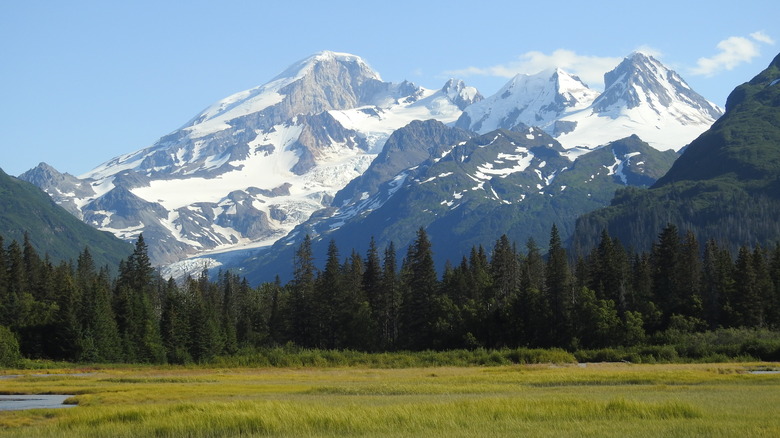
(9, 348)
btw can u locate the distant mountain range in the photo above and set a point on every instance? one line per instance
(327, 147)
(642, 97)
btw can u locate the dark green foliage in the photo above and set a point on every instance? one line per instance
(26, 210)
(418, 310)
(9, 348)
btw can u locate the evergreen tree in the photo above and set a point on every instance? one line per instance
(64, 339)
(253, 313)
(665, 264)
(715, 284)
(479, 270)
(329, 301)
(276, 325)
(764, 286)
(609, 273)
(746, 299)
(420, 286)
(505, 285)
(358, 325)
(206, 339)
(175, 325)
(391, 299)
(689, 272)
(137, 318)
(558, 292)
(15, 312)
(773, 311)
(372, 278)
(301, 324)
(228, 320)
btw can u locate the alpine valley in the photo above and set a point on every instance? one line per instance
(328, 149)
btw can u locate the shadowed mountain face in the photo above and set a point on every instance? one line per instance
(469, 193)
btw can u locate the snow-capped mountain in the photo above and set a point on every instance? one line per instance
(532, 100)
(641, 97)
(250, 167)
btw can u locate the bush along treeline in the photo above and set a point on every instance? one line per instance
(680, 299)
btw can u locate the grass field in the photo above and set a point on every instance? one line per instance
(599, 400)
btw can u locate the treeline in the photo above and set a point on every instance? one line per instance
(497, 299)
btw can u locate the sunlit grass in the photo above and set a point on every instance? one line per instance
(520, 400)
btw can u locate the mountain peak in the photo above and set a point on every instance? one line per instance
(460, 94)
(642, 80)
(354, 63)
(533, 100)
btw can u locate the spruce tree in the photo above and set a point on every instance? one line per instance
(746, 297)
(505, 286)
(420, 285)
(358, 324)
(301, 324)
(135, 299)
(391, 299)
(372, 282)
(329, 302)
(175, 324)
(558, 292)
(689, 273)
(666, 280)
(228, 318)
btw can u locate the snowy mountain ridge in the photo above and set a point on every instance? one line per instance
(641, 97)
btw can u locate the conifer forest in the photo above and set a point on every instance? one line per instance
(388, 300)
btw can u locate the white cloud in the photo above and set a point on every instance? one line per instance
(762, 37)
(590, 69)
(733, 52)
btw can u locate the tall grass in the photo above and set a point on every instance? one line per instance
(514, 400)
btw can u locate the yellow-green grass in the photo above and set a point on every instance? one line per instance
(599, 400)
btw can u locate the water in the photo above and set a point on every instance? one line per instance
(21, 402)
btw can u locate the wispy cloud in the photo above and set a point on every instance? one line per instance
(733, 51)
(590, 69)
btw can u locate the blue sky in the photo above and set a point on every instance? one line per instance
(84, 81)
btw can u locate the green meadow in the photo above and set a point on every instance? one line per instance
(599, 400)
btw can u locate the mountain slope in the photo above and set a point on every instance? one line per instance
(249, 168)
(641, 97)
(471, 192)
(725, 186)
(24, 208)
